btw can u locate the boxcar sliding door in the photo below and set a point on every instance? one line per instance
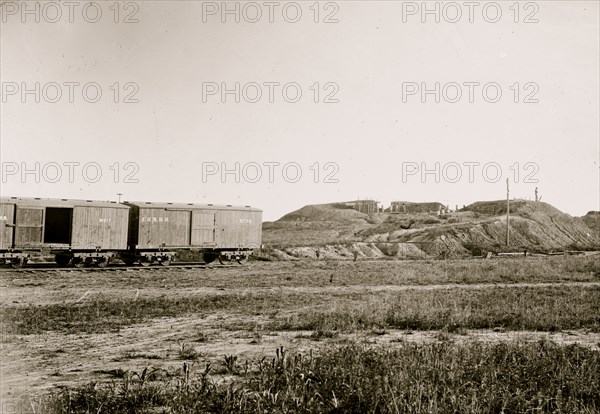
(203, 228)
(7, 218)
(29, 226)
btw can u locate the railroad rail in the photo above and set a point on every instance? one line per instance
(52, 267)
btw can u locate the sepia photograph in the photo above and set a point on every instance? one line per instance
(309, 206)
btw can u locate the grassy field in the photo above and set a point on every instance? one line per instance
(528, 308)
(441, 377)
(375, 336)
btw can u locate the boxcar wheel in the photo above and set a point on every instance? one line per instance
(79, 262)
(145, 262)
(165, 261)
(243, 259)
(209, 257)
(62, 260)
(103, 262)
(224, 259)
(19, 262)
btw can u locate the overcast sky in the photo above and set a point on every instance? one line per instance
(369, 61)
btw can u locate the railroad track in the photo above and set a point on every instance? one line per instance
(51, 267)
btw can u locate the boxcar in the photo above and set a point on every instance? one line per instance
(221, 232)
(83, 231)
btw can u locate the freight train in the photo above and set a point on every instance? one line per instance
(86, 232)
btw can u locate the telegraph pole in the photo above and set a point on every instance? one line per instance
(507, 213)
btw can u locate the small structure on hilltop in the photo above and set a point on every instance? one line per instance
(364, 206)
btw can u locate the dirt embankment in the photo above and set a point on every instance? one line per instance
(337, 231)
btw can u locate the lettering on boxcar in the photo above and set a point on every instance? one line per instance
(245, 221)
(155, 219)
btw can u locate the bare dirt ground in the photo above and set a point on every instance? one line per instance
(33, 364)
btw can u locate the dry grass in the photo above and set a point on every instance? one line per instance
(516, 308)
(199, 313)
(531, 308)
(317, 273)
(439, 377)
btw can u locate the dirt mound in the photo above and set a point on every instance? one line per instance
(346, 251)
(318, 224)
(411, 207)
(498, 207)
(534, 226)
(592, 220)
(475, 229)
(325, 212)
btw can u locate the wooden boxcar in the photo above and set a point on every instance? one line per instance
(78, 230)
(219, 231)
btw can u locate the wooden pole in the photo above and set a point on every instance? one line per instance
(507, 214)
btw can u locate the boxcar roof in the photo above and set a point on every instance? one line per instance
(189, 206)
(59, 202)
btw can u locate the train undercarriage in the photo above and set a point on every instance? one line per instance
(102, 258)
(16, 258)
